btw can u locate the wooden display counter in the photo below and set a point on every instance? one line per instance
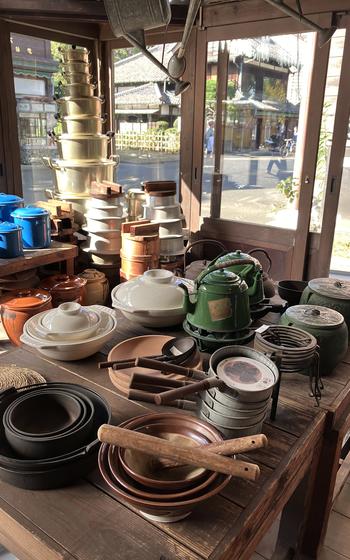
(58, 252)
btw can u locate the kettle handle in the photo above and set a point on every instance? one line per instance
(203, 242)
(261, 250)
(219, 266)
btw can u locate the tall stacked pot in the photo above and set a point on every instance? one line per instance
(82, 146)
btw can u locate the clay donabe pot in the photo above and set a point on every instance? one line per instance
(64, 288)
(17, 307)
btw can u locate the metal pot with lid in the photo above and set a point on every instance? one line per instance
(329, 292)
(327, 326)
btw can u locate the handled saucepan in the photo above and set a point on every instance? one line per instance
(81, 125)
(77, 106)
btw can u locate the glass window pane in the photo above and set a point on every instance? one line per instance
(147, 117)
(262, 119)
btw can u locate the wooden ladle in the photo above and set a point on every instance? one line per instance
(129, 439)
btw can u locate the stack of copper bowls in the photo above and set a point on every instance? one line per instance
(64, 288)
(48, 434)
(17, 307)
(81, 144)
(138, 479)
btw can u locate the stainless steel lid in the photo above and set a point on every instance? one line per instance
(245, 374)
(331, 287)
(315, 316)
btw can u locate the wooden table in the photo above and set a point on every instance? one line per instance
(58, 252)
(87, 522)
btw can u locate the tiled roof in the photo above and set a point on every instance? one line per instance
(135, 69)
(146, 95)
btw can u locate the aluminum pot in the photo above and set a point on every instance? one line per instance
(104, 224)
(136, 199)
(161, 213)
(86, 147)
(75, 178)
(104, 213)
(77, 77)
(172, 245)
(110, 202)
(232, 433)
(81, 125)
(159, 200)
(79, 90)
(76, 66)
(244, 410)
(170, 227)
(75, 54)
(105, 241)
(77, 106)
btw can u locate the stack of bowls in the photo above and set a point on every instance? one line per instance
(159, 495)
(161, 207)
(70, 332)
(48, 434)
(82, 146)
(240, 409)
(104, 218)
(65, 288)
(17, 307)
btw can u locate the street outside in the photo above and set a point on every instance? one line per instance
(249, 192)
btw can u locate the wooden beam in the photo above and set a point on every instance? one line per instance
(89, 9)
(65, 32)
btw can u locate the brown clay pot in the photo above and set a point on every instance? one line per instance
(64, 288)
(17, 307)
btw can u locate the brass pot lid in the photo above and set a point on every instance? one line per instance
(315, 316)
(331, 287)
(245, 374)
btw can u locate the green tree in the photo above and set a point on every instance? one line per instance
(120, 54)
(58, 78)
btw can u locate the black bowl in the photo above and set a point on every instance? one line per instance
(43, 446)
(59, 470)
(291, 290)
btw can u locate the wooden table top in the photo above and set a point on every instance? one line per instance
(86, 522)
(34, 258)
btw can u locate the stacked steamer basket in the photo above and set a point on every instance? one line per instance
(140, 248)
(240, 408)
(104, 218)
(82, 146)
(161, 208)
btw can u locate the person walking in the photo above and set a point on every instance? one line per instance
(209, 138)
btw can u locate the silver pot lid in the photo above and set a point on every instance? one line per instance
(331, 287)
(245, 374)
(315, 316)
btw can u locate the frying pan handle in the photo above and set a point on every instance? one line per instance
(168, 396)
(169, 368)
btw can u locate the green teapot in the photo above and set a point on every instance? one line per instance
(220, 301)
(249, 269)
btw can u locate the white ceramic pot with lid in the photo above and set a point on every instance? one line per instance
(153, 299)
(69, 321)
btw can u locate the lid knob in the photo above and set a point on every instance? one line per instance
(312, 312)
(338, 284)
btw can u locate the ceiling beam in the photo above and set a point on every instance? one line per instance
(87, 10)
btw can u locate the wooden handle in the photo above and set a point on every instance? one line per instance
(167, 367)
(124, 364)
(128, 439)
(228, 447)
(138, 378)
(145, 396)
(179, 392)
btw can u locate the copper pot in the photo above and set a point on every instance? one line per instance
(64, 287)
(17, 307)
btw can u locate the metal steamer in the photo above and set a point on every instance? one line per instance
(218, 309)
(298, 351)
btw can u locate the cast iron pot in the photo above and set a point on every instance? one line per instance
(37, 446)
(291, 290)
(56, 471)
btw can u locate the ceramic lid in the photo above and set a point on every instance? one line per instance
(70, 317)
(314, 316)
(246, 374)
(29, 212)
(331, 287)
(27, 299)
(9, 199)
(6, 227)
(222, 276)
(91, 275)
(63, 282)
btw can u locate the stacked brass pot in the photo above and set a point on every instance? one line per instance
(82, 146)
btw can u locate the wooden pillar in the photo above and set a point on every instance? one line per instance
(221, 95)
(11, 180)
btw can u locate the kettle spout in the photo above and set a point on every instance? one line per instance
(189, 300)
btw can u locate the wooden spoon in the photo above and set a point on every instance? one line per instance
(129, 439)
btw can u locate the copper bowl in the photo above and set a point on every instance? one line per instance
(160, 511)
(177, 428)
(64, 288)
(17, 307)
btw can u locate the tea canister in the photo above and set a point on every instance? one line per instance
(36, 229)
(11, 245)
(327, 326)
(97, 287)
(8, 204)
(329, 292)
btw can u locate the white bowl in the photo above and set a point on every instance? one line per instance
(105, 202)
(69, 320)
(153, 299)
(103, 224)
(170, 227)
(104, 242)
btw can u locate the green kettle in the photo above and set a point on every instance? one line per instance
(249, 269)
(220, 301)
